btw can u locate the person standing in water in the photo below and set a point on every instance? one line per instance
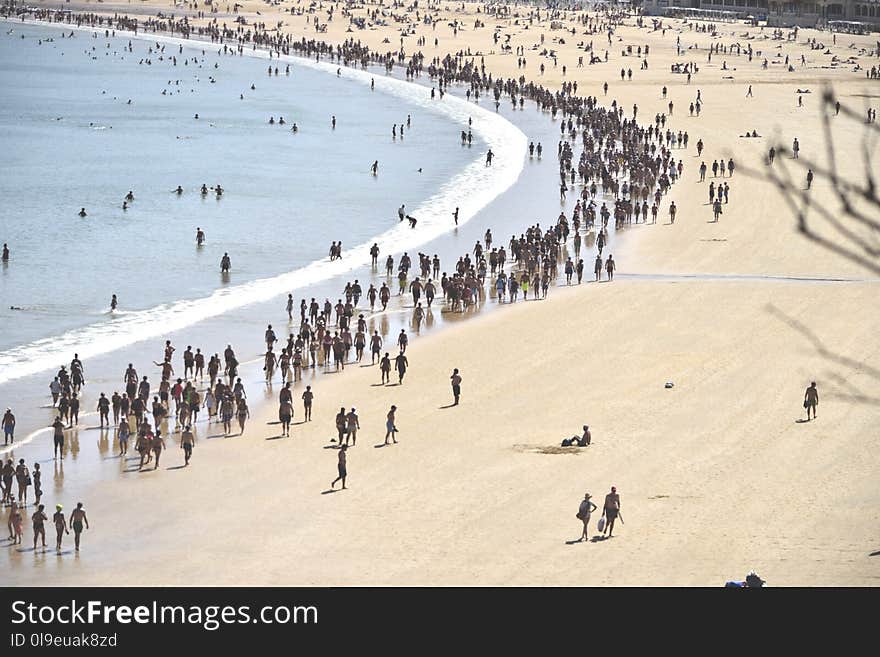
(39, 521)
(60, 526)
(113, 303)
(375, 168)
(225, 263)
(8, 427)
(58, 425)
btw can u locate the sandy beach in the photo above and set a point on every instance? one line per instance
(717, 475)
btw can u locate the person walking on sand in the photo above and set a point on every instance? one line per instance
(77, 518)
(187, 442)
(610, 511)
(243, 413)
(385, 368)
(352, 424)
(307, 398)
(60, 526)
(610, 266)
(456, 385)
(400, 364)
(341, 468)
(157, 445)
(390, 428)
(811, 400)
(584, 511)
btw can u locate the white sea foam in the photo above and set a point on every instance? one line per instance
(470, 190)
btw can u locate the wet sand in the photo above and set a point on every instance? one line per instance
(717, 476)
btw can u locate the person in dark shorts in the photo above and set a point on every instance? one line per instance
(39, 519)
(187, 441)
(456, 385)
(307, 398)
(76, 521)
(811, 400)
(58, 425)
(610, 511)
(343, 473)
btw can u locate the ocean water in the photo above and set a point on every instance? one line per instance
(72, 139)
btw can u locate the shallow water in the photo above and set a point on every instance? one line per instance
(178, 287)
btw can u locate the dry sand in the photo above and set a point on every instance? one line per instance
(716, 475)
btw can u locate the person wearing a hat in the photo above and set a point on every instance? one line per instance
(60, 526)
(584, 510)
(610, 511)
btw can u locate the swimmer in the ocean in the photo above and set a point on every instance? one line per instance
(204, 189)
(200, 236)
(113, 303)
(82, 212)
(412, 221)
(375, 168)
(125, 205)
(281, 120)
(197, 115)
(219, 190)
(179, 190)
(271, 120)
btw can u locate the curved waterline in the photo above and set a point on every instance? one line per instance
(470, 190)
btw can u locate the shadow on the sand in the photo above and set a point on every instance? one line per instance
(275, 437)
(176, 467)
(331, 490)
